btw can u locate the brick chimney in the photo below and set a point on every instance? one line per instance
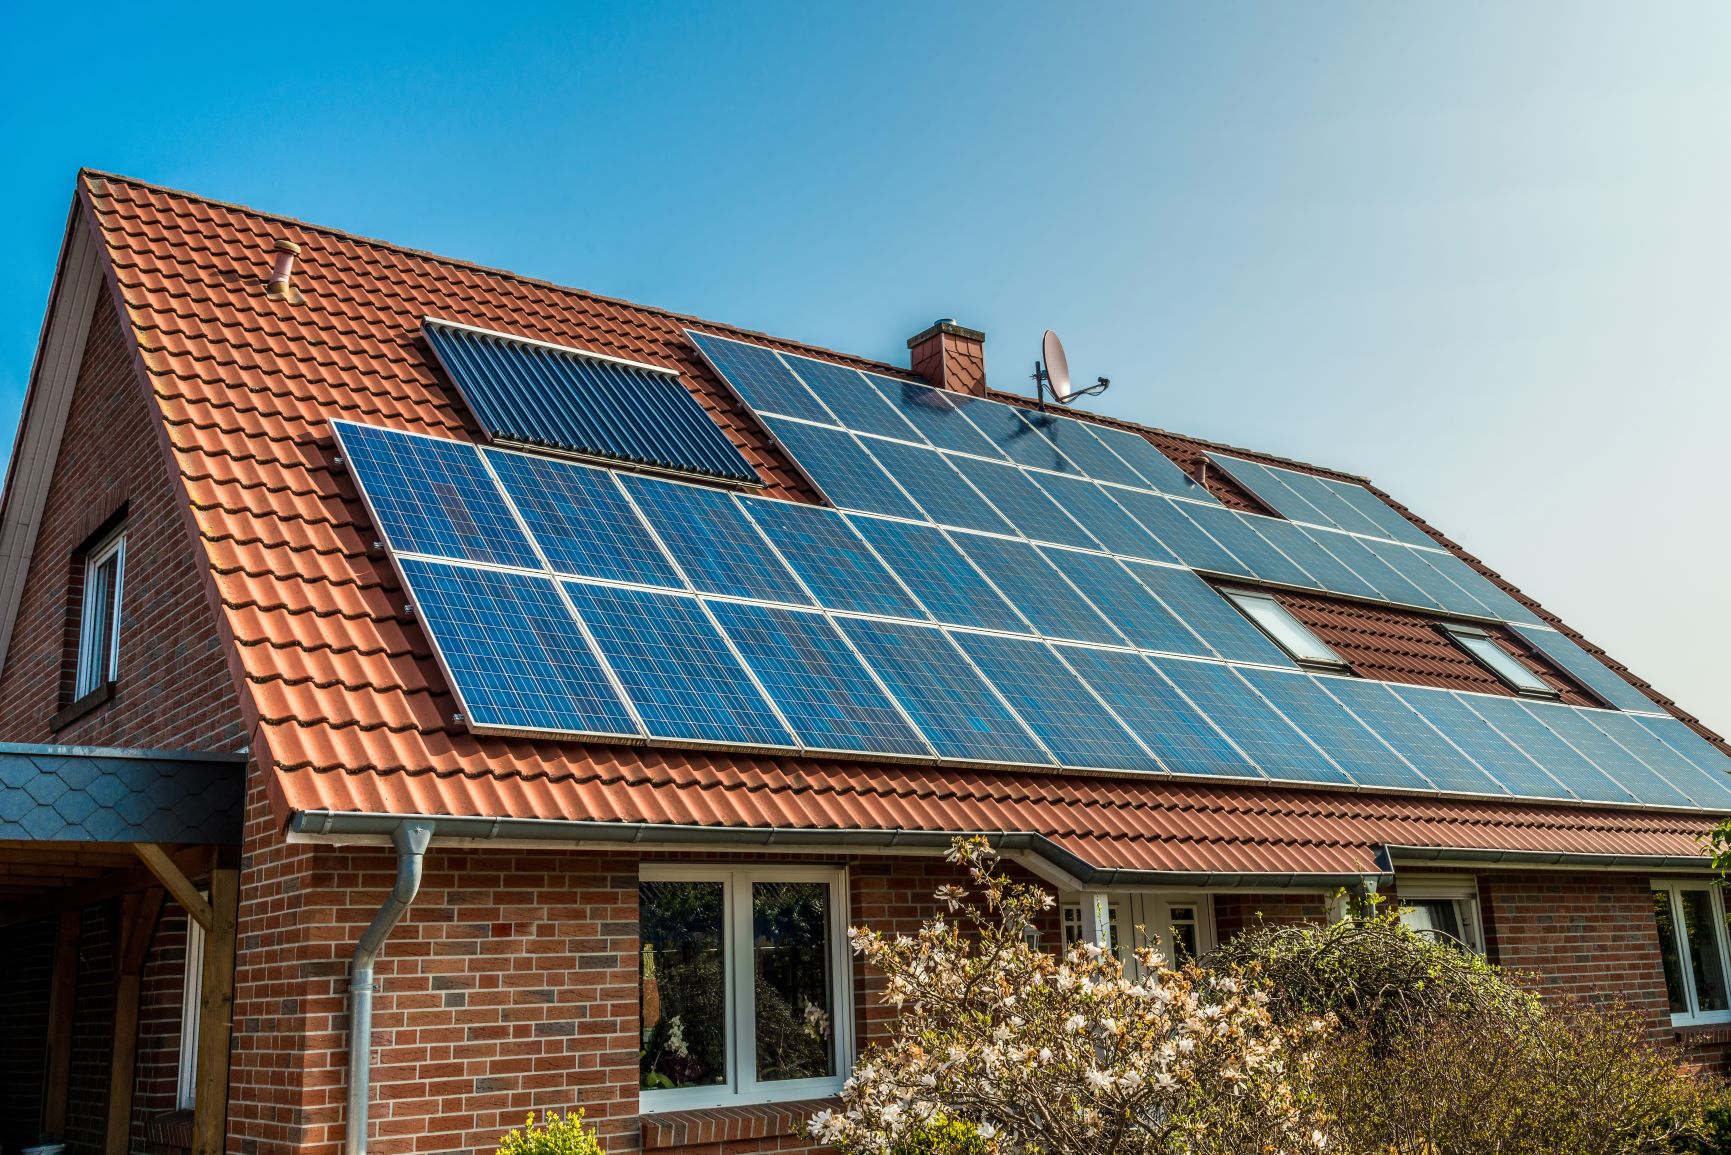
(951, 357)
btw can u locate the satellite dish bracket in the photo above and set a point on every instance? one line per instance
(1062, 391)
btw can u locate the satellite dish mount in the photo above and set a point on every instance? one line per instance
(1052, 374)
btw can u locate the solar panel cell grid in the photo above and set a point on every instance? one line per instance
(1348, 742)
(1025, 504)
(850, 397)
(713, 541)
(1199, 606)
(1704, 755)
(1268, 488)
(1708, 789)
(1103, 517)
(1081, 447)
(1184, 740)
(1586, 669)
(1126, 602)
(1513, 772)
(1158, 470)
(1055, 607)
(1270, 740)
(1627, 771)
(760, 378)
(1412, 565)
(1481, 588)
(1304, 548)
(1366, 558)
(936, 413)
(1183, 537)
(940, 577)
(581, 520)
(1325, 500)
(1005, 427)
(1380, 513)
(835, 563)
(836, 463)
(1237, 532)
(935, 486)
(1561, 761)
(1379, 708)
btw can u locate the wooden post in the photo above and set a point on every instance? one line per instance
(216, 1016)
(62, 1000)
(138, 914)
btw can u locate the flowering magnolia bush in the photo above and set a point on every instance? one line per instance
(1067, 1054)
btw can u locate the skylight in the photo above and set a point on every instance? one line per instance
(1485, 650)
(1287, 631)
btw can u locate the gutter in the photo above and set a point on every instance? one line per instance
(353, 826)
(1539, 859)
(411, 837)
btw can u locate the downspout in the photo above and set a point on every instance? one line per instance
(410, 839)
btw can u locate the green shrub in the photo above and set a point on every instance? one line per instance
(1714, 1137)
(555, 1135)
(942, 1137)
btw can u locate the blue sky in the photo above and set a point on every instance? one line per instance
(1479, 252)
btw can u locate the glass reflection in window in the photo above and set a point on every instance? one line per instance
(790, 960)
(684, 984)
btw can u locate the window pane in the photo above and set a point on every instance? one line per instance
(790, 954)
(96, 642)
(1184, 944)
(1668, 951)
(1285, 629)
(1499, 662)
(1703, 939)
(1435, 918)
(684, 984)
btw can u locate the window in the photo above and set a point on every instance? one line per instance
(1288, 632)
(191, 1000)
(744, 985)
(1178, 927)
(1691, 919)
(99, 617)
(1444, 908)
(1484, 649)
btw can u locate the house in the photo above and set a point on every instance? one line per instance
(432, 694)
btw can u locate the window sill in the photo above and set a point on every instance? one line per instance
(729, 1124)
(91, 702)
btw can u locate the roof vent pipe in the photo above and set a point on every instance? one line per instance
(279, 288)
(410, 839)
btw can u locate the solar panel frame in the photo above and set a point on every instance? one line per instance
(938, 415)
(839, 468)
(1574, 725)
(716, 547)
(836, 564)
(760, 378)
(1327, 570)
(1042, 594)
(1574, 772)
(1077, 443)
(1584, 668)
(1374, 509)
(1702, 754)
(1013, 493)
(846, 393)
(937, 488)
(1412, 736)
(1415, 566)
(1160, 472)
(1237, 532)
(1357, 748)
(1366, 555)
(1126, 602)
(1184, 739)
(946, 583)
(1706, 789)
(1497, 601)
(1226, 631)
(1100, 514)
(1266, 486)
(1014, 436)
(1514, 771)
(1187, 541)
(1327, 501)
(1281, 751)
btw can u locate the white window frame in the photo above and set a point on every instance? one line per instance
(1501, 664)
(1284, 629)
(1674, 889)
(1150, 910)
(191, 1014)
(1462, 891)
(743, 1087)
(94, 671)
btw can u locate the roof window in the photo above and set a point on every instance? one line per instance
(1484, 649)
(1288, 632)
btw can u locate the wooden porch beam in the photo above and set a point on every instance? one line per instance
(157, 861)
(139, 913)
(216, 1014)
(62, 1000)
(192, 861)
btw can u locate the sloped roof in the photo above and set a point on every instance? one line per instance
(348, 708)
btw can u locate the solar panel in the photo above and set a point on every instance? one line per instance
(1301, 698)
(540, 394)
(760, 378)
(850, 397)
(1309, 550)
(1126, 602)
(1365, 555)
(1005, 427)
(1586, 669)
(935, 486)
(1575, 726)
(940, 577)
(1506, 763)
(1561, 761)
(581, 520)
(1411, 565)
(1158, 470)
(676, 667)
(834, 562)
(1039, 591)
(1183, 739)
(515, 657)
(1378, 707)
(1070, 721)
(1267, 486)
(712, 541)
(1187, 541)
(1710, 789)
(1326, 500)
(937, 413)
(1082, 448)
(1025, 504)
(1704, 755)
(1237, 532)
(1199, 606)
(829, 698)
(1258, 729)
(843, 472)
(432, 496)
(1482, 589)
(943, 693)
(1100, 515)
(1379, 513)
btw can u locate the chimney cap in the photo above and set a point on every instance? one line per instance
(284, 245)
(946, 325)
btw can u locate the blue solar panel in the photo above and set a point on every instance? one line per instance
(1158, 470)
(837, 566)
(1126, 602)
(516, 658)
(1366, 557)
(943, 693)
(1005, 426)
(811, 673)
(1378, 707)
(1183, 537)
(1039, 591)
(1269, 488)
(1184, 740)
(928, 477)
(1500, 603)
(1708, 758)
(937, 413)
(433, 496)
(676, 667)
(1024, 503)
(582, 521)
(1339, 548)
(1575, 726)
(1074, 726)
(715, 544)
(1199, 606)
(1317, 560)
(1101, 516)
(1586, 669)
(1348, 742)
(845, 473)
(1082, 448)
(1707, 789)
(939, 575)
(1326, 499)
(850, 397)
(1237, 532)
(1260, 731)
(760, 378)
(1411, 565)
(1561, 761)
(1517, 773)
(538, 394)
(1378, 512)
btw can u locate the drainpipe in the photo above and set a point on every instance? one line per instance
(410, 839)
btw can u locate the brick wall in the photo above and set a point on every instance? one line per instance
(1234, 912)
(92, 1034)
(156, 1078)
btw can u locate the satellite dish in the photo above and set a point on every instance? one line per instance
(1057, 367)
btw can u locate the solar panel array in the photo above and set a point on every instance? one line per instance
(578, 601)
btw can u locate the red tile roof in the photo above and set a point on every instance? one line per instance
(349, 710)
